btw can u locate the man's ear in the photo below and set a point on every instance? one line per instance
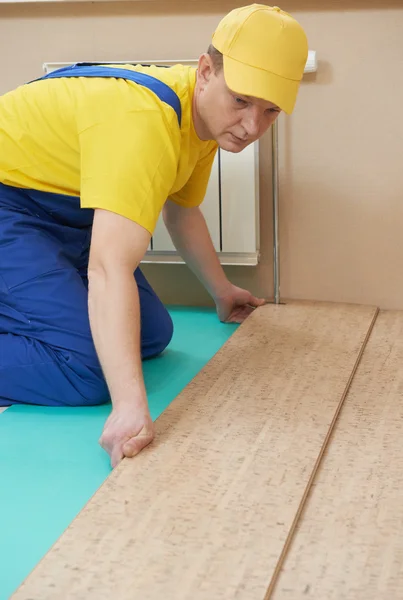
(205, 69)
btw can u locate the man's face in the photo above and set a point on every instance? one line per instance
(233, 120)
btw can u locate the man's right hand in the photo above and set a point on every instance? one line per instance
(127, 431)
(117, 247)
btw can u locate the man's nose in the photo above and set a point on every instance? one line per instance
(251, 123)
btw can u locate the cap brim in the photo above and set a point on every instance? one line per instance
(251, 81)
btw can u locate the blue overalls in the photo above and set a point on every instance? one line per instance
(47, 355)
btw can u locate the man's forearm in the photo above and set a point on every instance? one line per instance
(191, 237)
(114, 313)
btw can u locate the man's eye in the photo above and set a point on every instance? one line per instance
(240, 100)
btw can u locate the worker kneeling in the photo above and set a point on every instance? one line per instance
(90, 157)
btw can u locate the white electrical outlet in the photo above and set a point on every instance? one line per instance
(312, 63)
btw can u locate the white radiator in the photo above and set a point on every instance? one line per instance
(231, 205)
(230, 208)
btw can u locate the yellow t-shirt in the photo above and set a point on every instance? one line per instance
(111, 142)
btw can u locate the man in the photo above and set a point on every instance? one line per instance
(89, 157)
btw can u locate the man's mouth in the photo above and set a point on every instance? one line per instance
(237, 139)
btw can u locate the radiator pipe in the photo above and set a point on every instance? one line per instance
(275, 184)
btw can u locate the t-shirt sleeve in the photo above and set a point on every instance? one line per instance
(129, 164)
(194, 191)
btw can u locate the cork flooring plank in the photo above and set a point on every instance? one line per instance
(204, 512)
(349, 543)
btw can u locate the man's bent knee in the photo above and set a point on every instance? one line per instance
(159, 337)
(38, 374)
(166, 331)
(87, 384)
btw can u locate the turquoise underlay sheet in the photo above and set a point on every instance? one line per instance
(50, 460)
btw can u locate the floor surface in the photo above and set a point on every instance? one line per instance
(50, 460)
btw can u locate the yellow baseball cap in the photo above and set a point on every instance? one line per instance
(265, 52)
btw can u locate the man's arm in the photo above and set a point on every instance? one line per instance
(117, 247)
(190, 235)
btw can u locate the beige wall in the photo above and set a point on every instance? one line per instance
(341, 204)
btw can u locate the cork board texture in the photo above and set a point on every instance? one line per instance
(205, 512)
(349, 541)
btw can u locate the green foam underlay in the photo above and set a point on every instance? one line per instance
(50, 460)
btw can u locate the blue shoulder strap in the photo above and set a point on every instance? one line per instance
(163, 91)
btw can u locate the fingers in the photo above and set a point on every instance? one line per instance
(105, 443)
(130, 448)
(116, 455)
(137, 443)
(253, 301)
(135, 446)
(126, 433)
(239, 314)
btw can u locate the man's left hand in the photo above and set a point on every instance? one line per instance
(236, 304)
